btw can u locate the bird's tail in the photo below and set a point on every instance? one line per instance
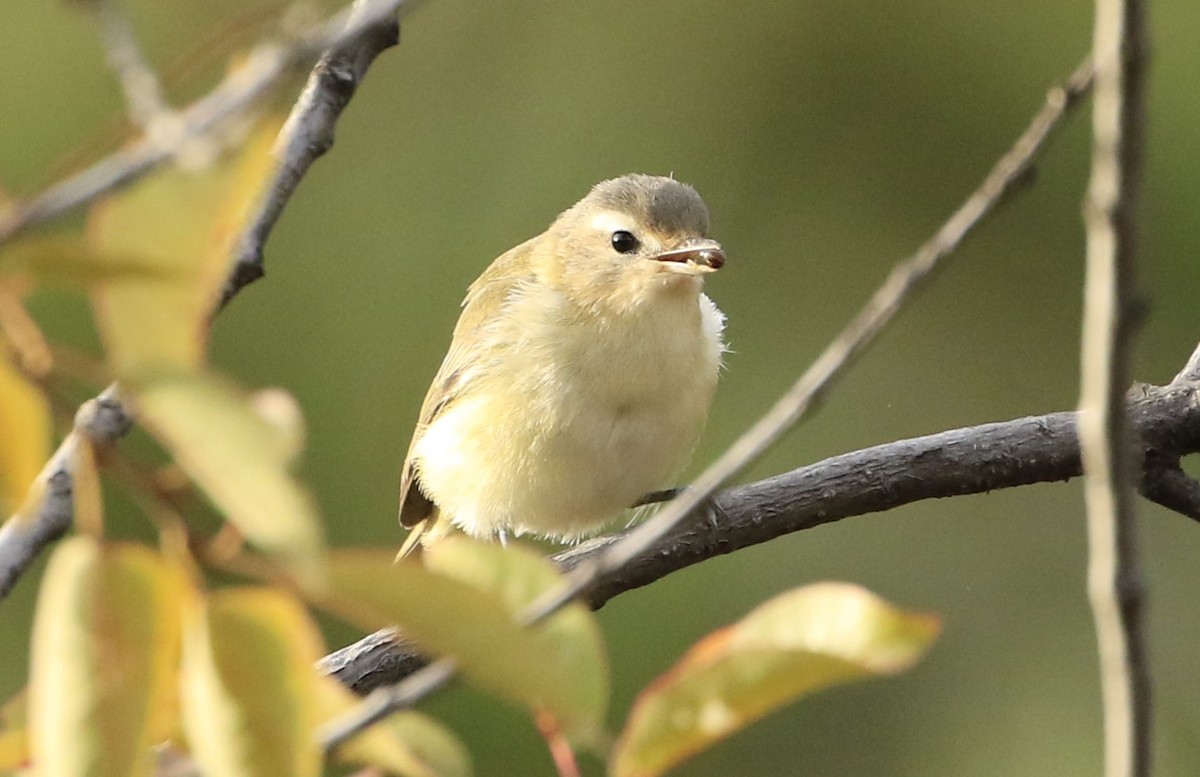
(425, 533)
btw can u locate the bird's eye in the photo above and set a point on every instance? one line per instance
(624, 242)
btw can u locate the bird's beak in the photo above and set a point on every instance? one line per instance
(701, 256)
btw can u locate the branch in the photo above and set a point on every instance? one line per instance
(385, 700)
(265, 65)
(22, 537)
(307, 135)
(973, 460)
(1168, 485)
(1110, 319)
(143, 92)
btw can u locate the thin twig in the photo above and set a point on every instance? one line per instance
(973, 460)
(1110, 319)
(879, 310)
(265, 65)
(143, 92)
(307, 135)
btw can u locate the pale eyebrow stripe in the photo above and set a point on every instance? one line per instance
(611, 221)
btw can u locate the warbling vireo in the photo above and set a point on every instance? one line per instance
(580, 373)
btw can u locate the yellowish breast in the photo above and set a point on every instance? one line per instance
(576, 417)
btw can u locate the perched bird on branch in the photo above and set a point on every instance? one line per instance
(580, 373)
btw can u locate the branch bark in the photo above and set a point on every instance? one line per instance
(973, 460)
(22, 537)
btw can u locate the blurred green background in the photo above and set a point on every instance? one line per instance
(829, 138)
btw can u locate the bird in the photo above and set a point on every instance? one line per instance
(579, 376)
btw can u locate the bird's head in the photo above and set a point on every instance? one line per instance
(630, 240)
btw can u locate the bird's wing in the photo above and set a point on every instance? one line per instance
(485, 300)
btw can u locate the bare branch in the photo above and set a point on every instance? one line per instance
(1168, 485)
(22, 537)
(378, 659)
(143, 92)
(240, 90)
(307, 135)
(1110, 318)
(974, 460)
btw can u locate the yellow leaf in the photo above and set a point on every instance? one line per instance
(103, 659)
(239, 459)
(24, 435)
(405, 743)
(467, 612)
(797, 643)
(249, 685)
(14, 734)
(182, 225)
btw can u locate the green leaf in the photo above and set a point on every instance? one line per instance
(432, 742)
(103, 659)
(797, 643)
(181, 225)
(572, 639)
(249, 687)
(24, 435)
(406, 743)
(462, 606)
(239, 459)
